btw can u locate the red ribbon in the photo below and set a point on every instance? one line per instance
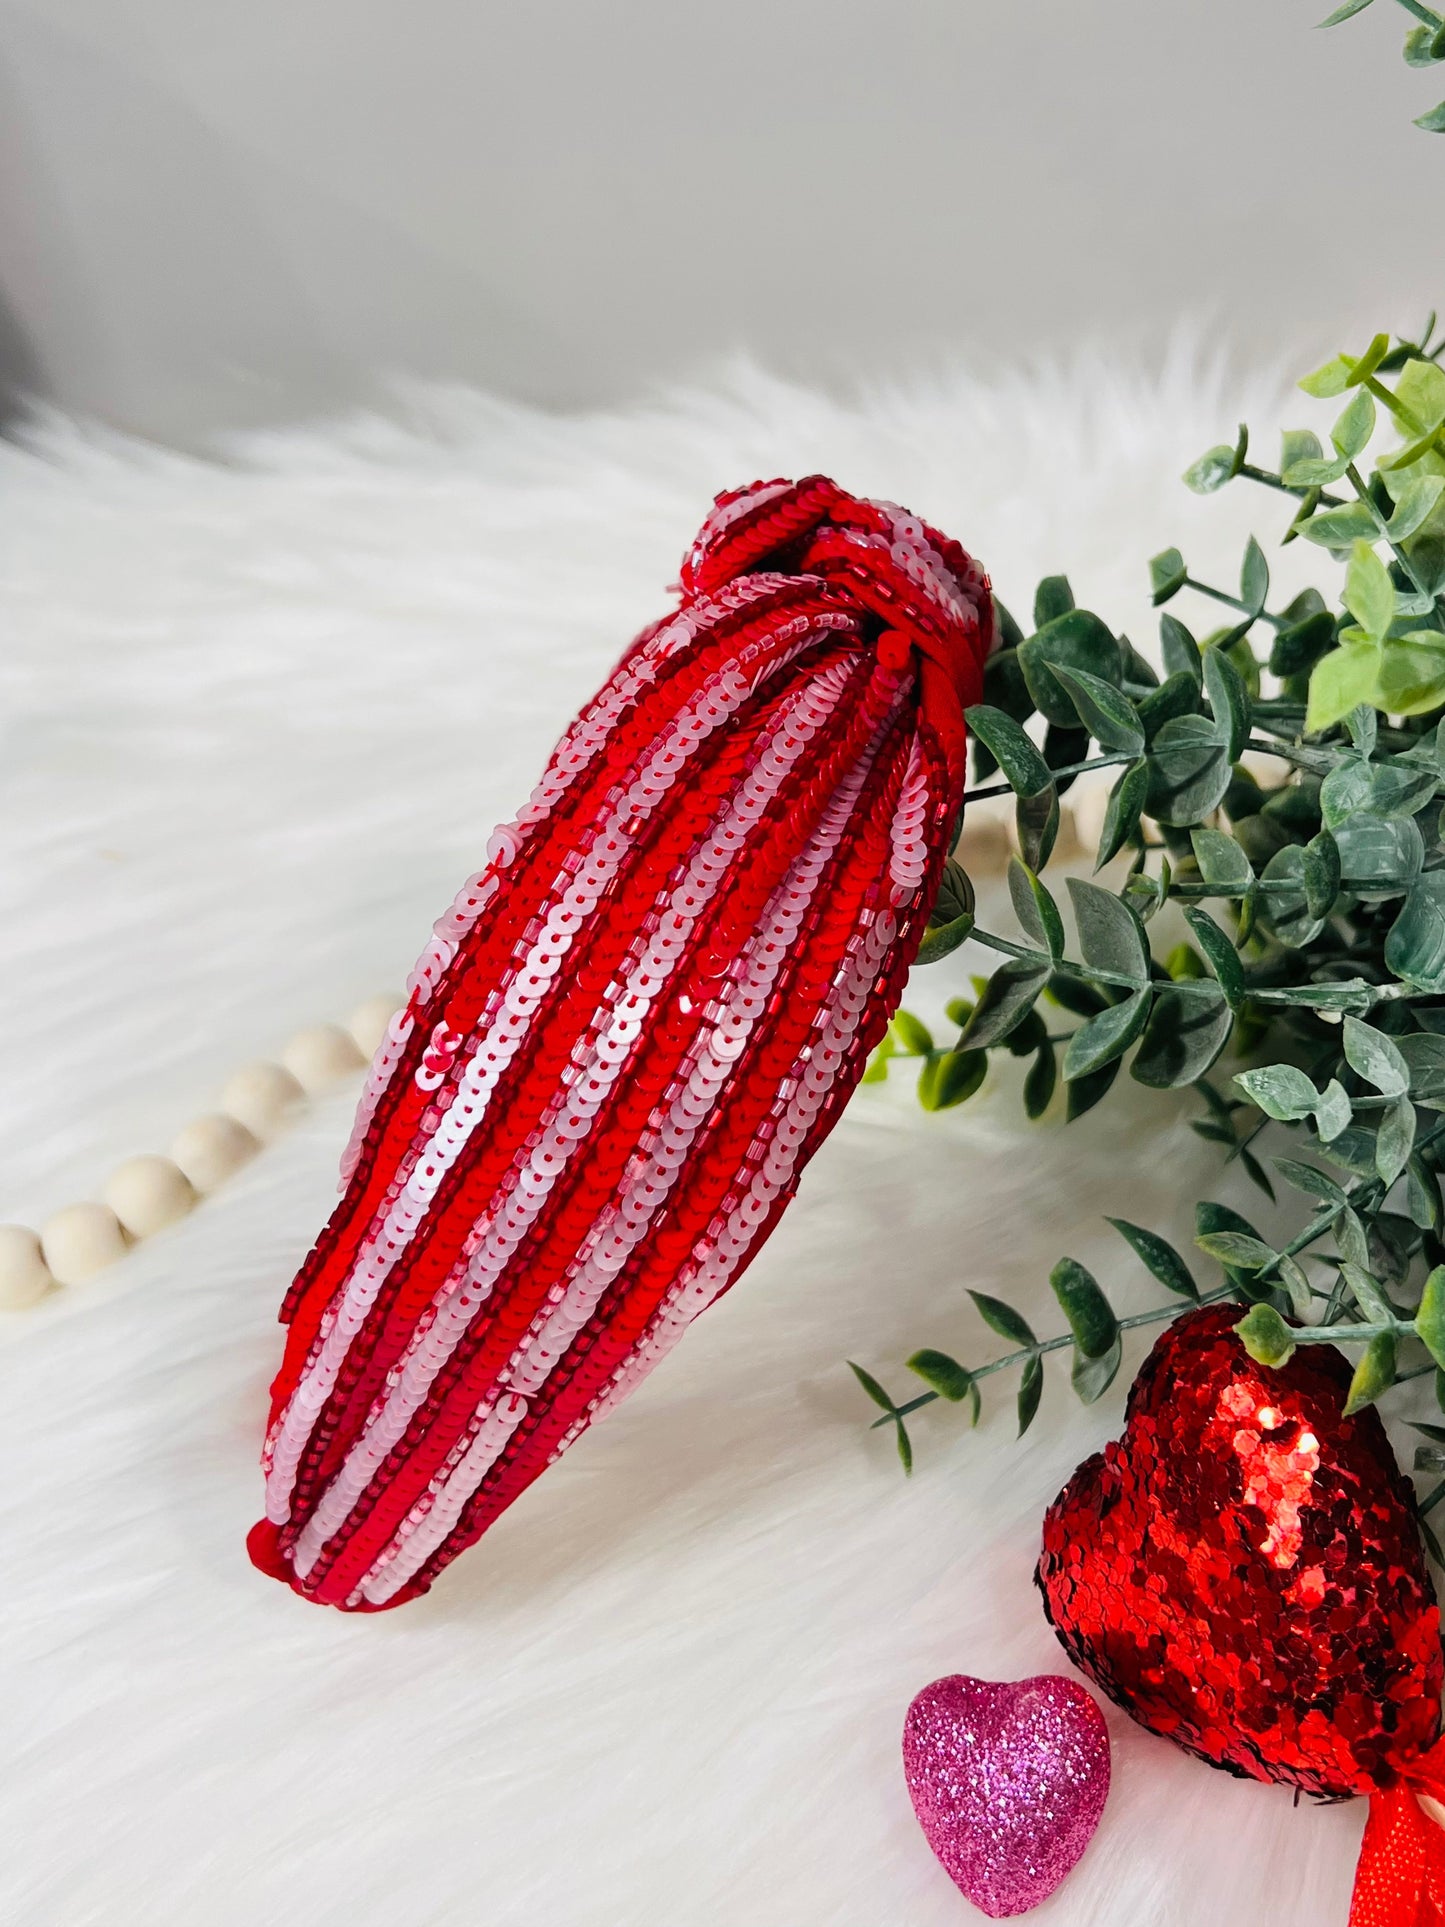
(1400, 1881)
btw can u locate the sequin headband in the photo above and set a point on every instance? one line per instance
(629, 1033)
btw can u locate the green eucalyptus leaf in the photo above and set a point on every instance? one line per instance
(1122, 814)
(1003, 1319)
(1085, 1092)
(1111, 936)
(1180, 650)
(1091, 1318)
(1339, 528)
(1075, 640)
(951, 1077)
(1414, 506)
(1380, 789)
(1253, 577)
(1178, 696)
(1420, 47)
(1368, 1294)
(871, 1386)
(1189, 771)
(1346, 10)
(1424, 1055)
(1237, 1249)
(1167, 573)
(1037, 821)
(1040, 1082)
(1369, 592)
(1092, 1377)
(1321, 874)
(1158, 1257)
(1035, 909)
(1340, 682)
(1309, 1179)
(1107, 1036)
(1215, 467)
(1430, 1316)
(911, 1036)
(1312, 471)
(1374, 1374)
(1395, 1140)
(1006, 1000)
(1188, 1028)
(947, 1377)
(1297, 649)
(1052, 598)
(1015, 753)
(1375, 1057)
(1222, 863)
(1221, 954)
(1280, 1091)
(1298, 445)
(1422, 1193)
(942, 939)
(1104, 711)
(1434, 121)
(1334, 377)
(1333, 1112)
(1228, 699)
(1379, 856)
(1415, 947)
(1351, 433)
(1287, 909)
(1031, 1389)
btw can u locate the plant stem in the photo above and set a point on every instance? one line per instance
(1422, 13)
(1069, 769)
(1154, 1317)
(1090, 975)
(1399, 554)
(1271, 480)
(1233, 602)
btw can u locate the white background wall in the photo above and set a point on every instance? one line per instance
(214, 214)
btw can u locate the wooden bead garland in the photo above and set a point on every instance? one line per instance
(147, 1193)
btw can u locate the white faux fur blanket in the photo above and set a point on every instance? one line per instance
(257, 719)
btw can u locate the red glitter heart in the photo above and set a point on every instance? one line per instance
(1242, 1573)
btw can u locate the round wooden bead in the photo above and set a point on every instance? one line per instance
(263, 1097)
(321, 1056)
(147, 1193)
(24, 1275)
(368, 1022)
(212, 1149)
(81, 1240)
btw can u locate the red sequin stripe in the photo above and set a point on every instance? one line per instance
(491, 1340)
(719, 1167)
(523, 1101)
(772, 613)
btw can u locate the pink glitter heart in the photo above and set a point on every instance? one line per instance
(1008, 1780)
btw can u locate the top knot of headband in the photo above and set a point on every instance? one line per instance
(628, 1034)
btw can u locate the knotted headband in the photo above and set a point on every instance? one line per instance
(628, 1034)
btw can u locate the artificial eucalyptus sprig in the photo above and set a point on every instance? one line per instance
(1424, 45)
(1313, 898)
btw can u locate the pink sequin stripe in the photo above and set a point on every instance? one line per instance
(581, 744)
(499, 1039)
(509, 1010)
(624, 1221)
(908, 858)
(802, 1096)
(571, 1113)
